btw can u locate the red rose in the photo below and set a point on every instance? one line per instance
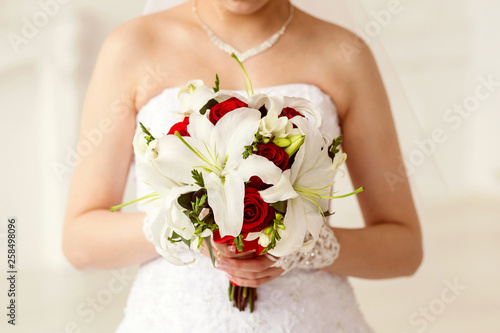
(256, 182)
(257, 213)
(247, 245)
(222, 240)
(257, 216)
(180, 127)
(220, 110)
(273, 153)
(290, 113)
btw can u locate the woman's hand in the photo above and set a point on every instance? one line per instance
(244, 269)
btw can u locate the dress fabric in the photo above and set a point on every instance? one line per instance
(194, 298)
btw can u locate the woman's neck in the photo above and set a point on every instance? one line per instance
(243, 31)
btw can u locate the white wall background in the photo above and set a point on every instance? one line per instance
(439, 49)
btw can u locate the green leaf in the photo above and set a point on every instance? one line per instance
(210, 104)
(198, 178)
(185, 200)
(238, 241)
(248, 151)
(334, 147)
(187, 242)
(216, 88)
(208, 241)
(175, 238)
(149, 137)
(280, 206)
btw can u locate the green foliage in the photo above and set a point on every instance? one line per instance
(149, 137)
(184, 200)
(210, 104)
(216, 88)
(273, 232)
(250, 149)
(280, 206)
(194, 203)
(198, 178)
(238, 241)
(208, 242)
(334, 147)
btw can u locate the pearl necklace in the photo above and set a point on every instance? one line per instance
(266, 45)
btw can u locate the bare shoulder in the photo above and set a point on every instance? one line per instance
(345, 59)
(139, 47)
(341, 45)
(137, 38)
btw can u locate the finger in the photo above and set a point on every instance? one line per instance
(251, 265)
(254, 283)
(229, 251)
(273, 271)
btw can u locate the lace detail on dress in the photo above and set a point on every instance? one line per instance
(325, 251)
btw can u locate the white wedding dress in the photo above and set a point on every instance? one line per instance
(194, 298)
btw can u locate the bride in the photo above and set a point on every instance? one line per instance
(137, 77)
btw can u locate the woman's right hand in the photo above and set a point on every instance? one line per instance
(244, 269)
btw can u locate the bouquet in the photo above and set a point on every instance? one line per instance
(255, 172)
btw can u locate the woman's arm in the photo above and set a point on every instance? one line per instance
(390, 245)
(93, 236)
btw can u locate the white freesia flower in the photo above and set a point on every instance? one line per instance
(338, 160)
(264, 239)
(190, 87)
(217, 151)
(272, 125)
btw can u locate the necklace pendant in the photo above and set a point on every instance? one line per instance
(229, 49)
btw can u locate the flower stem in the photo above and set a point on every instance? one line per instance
(249, 85)
(361, 189)
(151, 195)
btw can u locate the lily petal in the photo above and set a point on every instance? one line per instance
(295, 229)
(281, 191)
(176, 160)
(236, 130)
(226, 200)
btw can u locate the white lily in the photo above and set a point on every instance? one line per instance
(193, 96)
(166, 216)
(311, 175)
(217, 151)
(145, 155)
(305, 107)
(160, 232)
